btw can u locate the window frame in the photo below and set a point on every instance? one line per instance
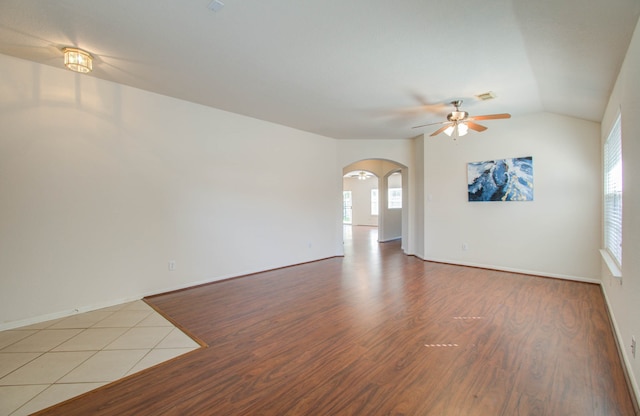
(374, 202)
(347, 207)
(394, 202)
(613, 192)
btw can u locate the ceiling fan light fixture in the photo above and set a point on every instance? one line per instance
(78, 60)
(457, 115)
(458, 122)
(462, 129)
(457, 130)
(362, 175)
(449, 130)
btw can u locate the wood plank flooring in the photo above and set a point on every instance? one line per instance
(380, 333)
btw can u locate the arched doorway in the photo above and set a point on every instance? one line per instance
(360, 198)
(377, 191)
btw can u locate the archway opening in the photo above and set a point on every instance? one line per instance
(374, 195)
(360, 198)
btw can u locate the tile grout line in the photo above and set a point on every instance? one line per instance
(16, 369)
(142, 309)
(148, 351)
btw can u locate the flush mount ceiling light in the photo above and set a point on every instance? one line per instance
(78, 60)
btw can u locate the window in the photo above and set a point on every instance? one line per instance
(374, 202)
(347, 211)
(394, 188)
(395, 198)
(613, 193)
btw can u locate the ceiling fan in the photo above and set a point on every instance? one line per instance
(361, 175)
(458, 122)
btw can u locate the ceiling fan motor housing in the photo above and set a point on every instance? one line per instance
(457, 115)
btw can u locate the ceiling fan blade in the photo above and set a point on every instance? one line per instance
(427, 105)
(490, 116)
(440, 130)
(475, 126)
(430, 124)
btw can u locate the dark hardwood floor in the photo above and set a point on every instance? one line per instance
(380, 333)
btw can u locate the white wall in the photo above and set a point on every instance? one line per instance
(555, 235)
(623, 295)
(101, 185)
(416, 180)
(392, 217)
(351, 151)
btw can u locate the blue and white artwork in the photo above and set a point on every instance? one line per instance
(501, 180)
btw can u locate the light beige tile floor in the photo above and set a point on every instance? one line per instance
(50, 362)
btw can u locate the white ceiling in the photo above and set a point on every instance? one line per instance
(348, 69)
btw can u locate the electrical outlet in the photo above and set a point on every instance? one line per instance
(172, 265)
(465, 246)
(633, 347)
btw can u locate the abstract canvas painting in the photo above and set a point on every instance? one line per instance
(501, 180)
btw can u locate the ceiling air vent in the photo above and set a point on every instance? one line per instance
(486, 96)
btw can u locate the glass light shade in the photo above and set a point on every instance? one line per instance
(78, 60)
(462, 129)
(449, 130)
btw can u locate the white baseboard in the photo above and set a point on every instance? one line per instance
(515, 270)
(63, 314)
(88, 308)
(92, 307)
(635, 389)
(390, 239)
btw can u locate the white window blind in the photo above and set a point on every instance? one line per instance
(613, 192)
(374, 202)
(394, 198)
(347, 207)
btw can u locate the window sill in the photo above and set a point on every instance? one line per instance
(611, 264)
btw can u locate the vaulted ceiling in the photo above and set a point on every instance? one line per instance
(345, 69)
